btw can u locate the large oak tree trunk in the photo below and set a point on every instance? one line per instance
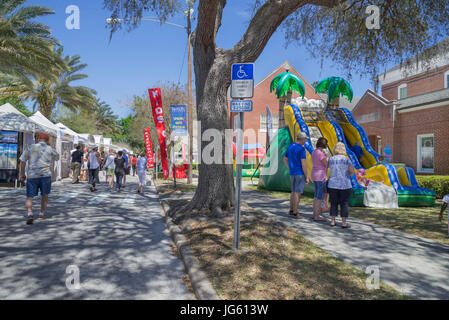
(212, 77)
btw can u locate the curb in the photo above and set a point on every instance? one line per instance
(201, 285)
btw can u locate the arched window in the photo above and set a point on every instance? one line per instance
(402, 91)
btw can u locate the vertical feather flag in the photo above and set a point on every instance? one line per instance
(148, 147)
(158, 115)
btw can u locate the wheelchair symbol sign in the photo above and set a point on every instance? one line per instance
(242, 84)
(242, 71)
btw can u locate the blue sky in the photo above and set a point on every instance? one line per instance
(135, 61)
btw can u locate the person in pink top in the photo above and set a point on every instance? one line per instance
(319, 177)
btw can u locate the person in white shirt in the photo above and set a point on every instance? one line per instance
(109, 166)
(444, 207)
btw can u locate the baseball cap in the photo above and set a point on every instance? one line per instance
(302, 135)
(44, 136)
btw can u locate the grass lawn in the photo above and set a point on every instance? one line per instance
(420, 221)
(274, 262)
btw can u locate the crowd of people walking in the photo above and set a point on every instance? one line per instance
(114, 165)
(37, 160)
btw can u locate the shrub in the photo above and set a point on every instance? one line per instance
(438, 183)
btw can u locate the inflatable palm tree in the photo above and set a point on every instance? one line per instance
(334, 87)
(284, 84)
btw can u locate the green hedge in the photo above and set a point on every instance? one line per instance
(438, 183)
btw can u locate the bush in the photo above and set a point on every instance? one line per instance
(438, 183)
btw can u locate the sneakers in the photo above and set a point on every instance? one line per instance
(42, 216)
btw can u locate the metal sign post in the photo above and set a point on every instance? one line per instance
(242, 87)
(238, 178)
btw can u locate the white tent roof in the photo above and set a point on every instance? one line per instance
(13, 120)
(107, 141)
(98, 139)
(69, 131)
(50, 127)
(90, 138)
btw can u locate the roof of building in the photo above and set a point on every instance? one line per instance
(373, 94)
(415, 64)
(422, 99)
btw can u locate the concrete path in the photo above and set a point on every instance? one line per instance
(117, 241)
(415, 266)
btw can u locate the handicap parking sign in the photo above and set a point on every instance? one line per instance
(242, 84)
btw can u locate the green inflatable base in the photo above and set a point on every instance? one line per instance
(406, 198)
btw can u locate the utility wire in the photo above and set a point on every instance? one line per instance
(182, 65)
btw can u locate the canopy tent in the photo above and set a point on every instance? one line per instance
(98, 140)
(88, 137)
(49, 127)
(12, 119)
(77, 138)
(107, 142)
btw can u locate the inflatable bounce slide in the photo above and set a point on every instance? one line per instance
(338, 125)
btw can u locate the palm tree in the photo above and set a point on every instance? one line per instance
(284, 84)
(26, 47)
(47, 92)
(106, 120)
(334, 87)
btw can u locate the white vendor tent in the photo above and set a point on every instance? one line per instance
(90, 138)
(49, 127)
(98, 140)
(77, 138)
(12, 119)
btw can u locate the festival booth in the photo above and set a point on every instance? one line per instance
(62, 143)
(76, 137)
(99, 142)
(107, 143)
(16, 133)
(89, 138)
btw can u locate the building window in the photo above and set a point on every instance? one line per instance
(274, 121)
(425, 153)
(402, 91)
(446, 80)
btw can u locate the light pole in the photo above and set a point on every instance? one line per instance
(189, 84)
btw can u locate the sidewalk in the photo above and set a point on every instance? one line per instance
(416, 267)
(118, 241)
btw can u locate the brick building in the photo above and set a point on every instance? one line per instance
(411, 115)
(256, 119)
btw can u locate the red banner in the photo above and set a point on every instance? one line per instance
(158, 115)
(148, 147)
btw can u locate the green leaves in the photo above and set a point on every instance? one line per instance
(334, 86)
(285, 82)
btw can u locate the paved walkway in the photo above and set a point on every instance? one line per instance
(118, 241)
(415, 266)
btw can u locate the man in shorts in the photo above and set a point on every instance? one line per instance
(39, 157)
(444, 207)
(295, 160)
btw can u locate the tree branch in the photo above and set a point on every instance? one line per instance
(209, 21)
(265, 23)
